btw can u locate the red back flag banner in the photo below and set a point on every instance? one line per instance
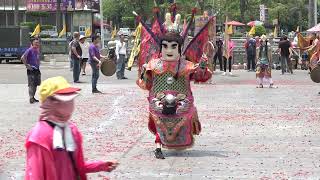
(195, 48)
(149, 46)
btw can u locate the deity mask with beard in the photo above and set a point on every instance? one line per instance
(171, 45)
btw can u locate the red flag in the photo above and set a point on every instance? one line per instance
(149, 46)
(194, 50)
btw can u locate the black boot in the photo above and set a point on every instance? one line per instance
(96, 91)
(31, 100)
(158, 154)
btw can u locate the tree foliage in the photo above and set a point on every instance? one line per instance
(260, 30)
(291, 13)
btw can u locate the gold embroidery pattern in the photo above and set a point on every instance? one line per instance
(160, 84)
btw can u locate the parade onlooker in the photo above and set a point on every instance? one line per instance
(257, 38)
(121, 52)
(85, 53)
(264, 63)
(76, 54)
(230, 53)
(95, 62)
(69, 54)
(304, 60)
(285, 53)
(218, 54)
(251, 47)
(54, 145)
(31, 59)
(295, 41)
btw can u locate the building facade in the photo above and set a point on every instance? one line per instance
(76, 14)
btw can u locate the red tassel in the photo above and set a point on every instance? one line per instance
(138, 18)
(155, 10)
(194, 10)
(173, 7)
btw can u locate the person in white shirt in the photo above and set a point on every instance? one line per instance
(121, 53)
(85, 53)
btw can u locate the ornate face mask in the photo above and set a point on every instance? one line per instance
(170, 51)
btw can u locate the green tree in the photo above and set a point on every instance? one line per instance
(291, 13)
(260, 30)
(243, 8)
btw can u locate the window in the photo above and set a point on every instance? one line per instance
(82, 29)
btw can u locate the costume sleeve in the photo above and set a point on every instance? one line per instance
(199, 74)
(96, 166)
(145, 82)
(89, 166)
(39, 164)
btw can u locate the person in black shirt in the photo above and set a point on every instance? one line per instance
(219, 52)
(76, 54)
(285, 53)
(251, 46)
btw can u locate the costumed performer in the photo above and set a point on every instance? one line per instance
(173, 117)
(264, 63)
(54, 145)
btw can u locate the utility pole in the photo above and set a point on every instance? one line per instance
(5, 3)
(101, 25)
(16, 12)
(58, 15)
(312, 14)
(315, 12)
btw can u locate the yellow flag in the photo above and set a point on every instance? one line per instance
(114, 33)
(252, 30)
(136, 46)
(63, 31)
(36, 30)
(275, 32)
(88, 32)
(230, 30)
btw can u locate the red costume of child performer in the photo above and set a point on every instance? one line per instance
(54, 145)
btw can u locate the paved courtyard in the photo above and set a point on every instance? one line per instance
(248, 133)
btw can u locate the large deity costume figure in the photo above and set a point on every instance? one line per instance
(264, 63)
(173, 117)
(167, 65)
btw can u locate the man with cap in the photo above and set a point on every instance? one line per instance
(121, 52)
(54, 145)
(31, 59)
(85, 53)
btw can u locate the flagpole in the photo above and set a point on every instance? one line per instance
(101, 25)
